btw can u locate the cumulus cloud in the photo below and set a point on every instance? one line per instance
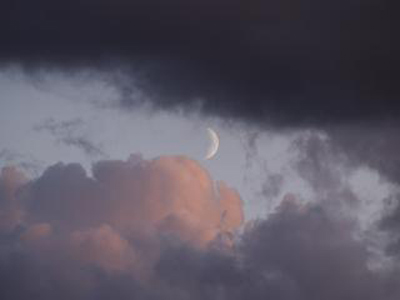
(104, 247)
(165, 194)
(164, 229)
(36, 232)
(122, 204)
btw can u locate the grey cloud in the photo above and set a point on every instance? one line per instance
(55, 127)
(327, 169)
(375, 144)
(327, 161)
(85, 237)
(86, 145)
(390, 224)
(272, 185)
(313, 253)
(71, 133)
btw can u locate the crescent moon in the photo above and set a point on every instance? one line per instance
(213, 148)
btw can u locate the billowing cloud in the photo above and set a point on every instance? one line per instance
(116, 218)
(115, 221)
(165, 194)
(36, 232)
(103, 247)
(163, 229)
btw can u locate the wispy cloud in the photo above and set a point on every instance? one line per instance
(71, 133)
(26, 162)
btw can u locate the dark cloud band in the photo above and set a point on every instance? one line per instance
(281, 62)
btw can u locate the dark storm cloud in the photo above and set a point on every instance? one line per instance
(285, 62)
(375, 144)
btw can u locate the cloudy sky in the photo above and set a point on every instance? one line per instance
(105, 192)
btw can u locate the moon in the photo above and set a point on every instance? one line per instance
(213, 148)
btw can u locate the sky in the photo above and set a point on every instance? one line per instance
(105, 192)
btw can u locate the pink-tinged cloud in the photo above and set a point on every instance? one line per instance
(102, 247)
(117, 218)
(169, 195)
(36, 232)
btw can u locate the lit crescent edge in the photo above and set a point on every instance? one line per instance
(213, 149)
